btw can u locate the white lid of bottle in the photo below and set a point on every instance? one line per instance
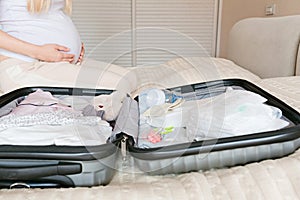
(155, 97)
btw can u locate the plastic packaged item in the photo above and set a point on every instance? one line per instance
(236, 112)
(152, 97)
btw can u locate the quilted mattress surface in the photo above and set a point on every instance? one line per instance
(269, 179)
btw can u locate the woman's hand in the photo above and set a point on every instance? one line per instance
(80, 59)
(53, 53)
(47, 52)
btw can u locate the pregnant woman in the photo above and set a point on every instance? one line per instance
(39, 46)
(38, 30)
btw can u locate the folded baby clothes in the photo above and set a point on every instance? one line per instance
(54, 118)
(39, 101)
(236, 112)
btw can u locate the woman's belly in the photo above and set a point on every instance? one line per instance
(51, 29)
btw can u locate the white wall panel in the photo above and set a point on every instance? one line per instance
(164, 29)
(182, 28)
(102, 24)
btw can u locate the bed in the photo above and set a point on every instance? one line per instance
(274, 179)
(285, 88)
(271, 179)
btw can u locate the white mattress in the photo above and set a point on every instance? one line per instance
(285, 88)
(269, 179)
(187, 71)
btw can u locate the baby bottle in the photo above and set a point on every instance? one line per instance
(152, 97)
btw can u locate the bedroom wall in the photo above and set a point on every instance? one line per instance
(146, 32)
(235, 10)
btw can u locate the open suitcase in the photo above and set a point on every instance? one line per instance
(90, 164)
(208, 153)
(51, 165)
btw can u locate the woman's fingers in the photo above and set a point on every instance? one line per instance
(64, 56)
(80, 59)
(62, 48)
(68, 57)
(55, 53)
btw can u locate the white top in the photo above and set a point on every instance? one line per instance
(53, 27)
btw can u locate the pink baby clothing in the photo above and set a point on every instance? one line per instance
(38, 102)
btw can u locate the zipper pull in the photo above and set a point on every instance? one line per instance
(124, 146)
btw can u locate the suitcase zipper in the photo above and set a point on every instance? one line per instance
(124, 147)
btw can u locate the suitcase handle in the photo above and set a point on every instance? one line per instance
(29, 173)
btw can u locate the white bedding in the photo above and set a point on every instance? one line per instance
(285, 88)
(269, 179)
(91, 74)
(188, 71)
